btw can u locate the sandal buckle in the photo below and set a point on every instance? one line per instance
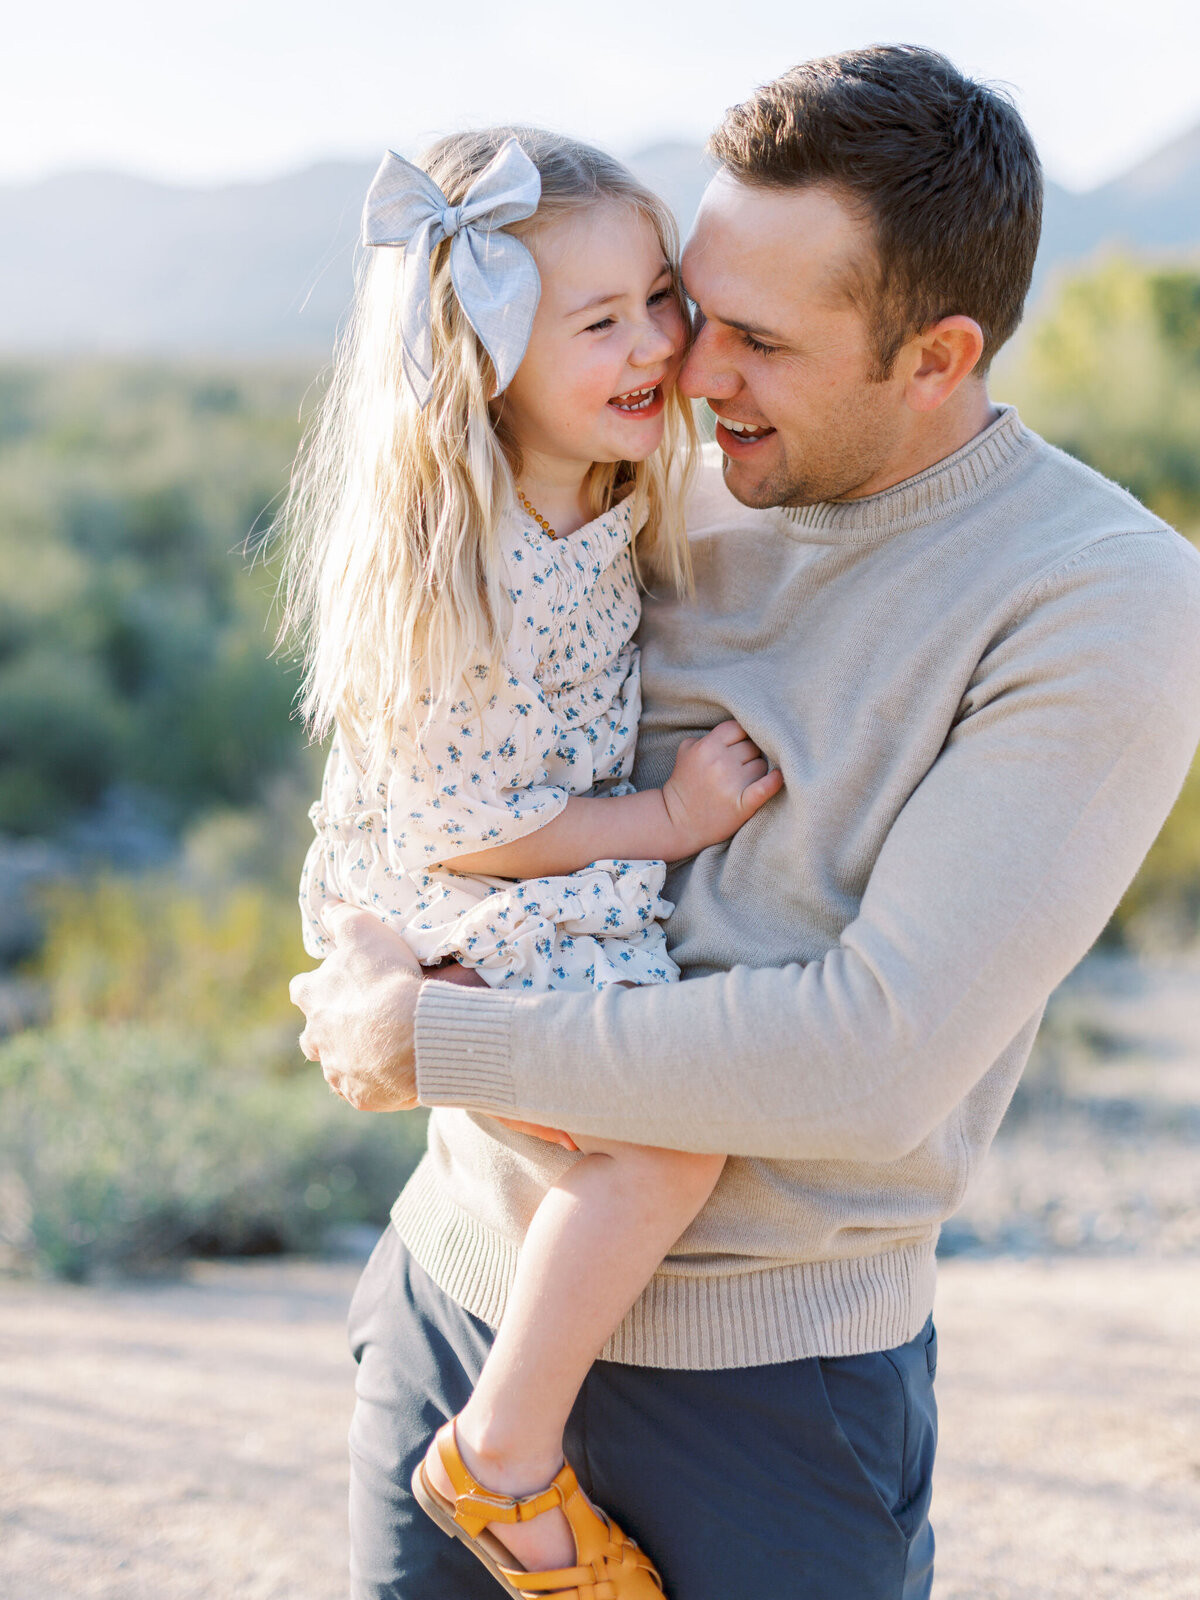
(480, 1503)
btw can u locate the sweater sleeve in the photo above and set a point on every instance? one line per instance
(999, 872)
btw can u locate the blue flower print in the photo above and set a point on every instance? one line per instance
(568, 676)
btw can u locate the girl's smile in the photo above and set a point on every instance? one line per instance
(606, 345)
(644, 402)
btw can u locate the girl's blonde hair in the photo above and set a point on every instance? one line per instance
(393, 577)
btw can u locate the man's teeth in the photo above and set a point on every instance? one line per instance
(635, 400)
(748, 429)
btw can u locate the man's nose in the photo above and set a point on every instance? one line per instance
(704, 375)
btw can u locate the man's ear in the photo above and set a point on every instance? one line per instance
(939, 358)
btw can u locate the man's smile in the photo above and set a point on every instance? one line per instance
(736, 437)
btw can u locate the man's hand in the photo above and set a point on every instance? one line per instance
(359, 1006)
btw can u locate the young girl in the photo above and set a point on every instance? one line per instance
(500, 460)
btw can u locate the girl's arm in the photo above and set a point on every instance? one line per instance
(719, 782)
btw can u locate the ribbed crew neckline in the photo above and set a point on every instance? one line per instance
(940, 490)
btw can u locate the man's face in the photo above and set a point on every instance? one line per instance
(784, 350)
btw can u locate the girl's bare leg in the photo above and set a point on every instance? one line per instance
(593, 1245)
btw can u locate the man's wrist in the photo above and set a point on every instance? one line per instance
(461, 1047)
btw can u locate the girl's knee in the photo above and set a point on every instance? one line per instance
(697, 1173)
(690, 1163)
(686, 1173)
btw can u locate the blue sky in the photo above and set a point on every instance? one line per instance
(252, 88)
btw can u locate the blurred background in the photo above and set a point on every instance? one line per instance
(182, 1202)
(179, 197)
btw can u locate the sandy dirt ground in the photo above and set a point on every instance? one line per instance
(1069, 1398)
(186, 1440)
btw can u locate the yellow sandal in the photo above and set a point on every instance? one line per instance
(610, 1565)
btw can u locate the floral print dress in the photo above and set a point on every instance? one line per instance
(562, 722)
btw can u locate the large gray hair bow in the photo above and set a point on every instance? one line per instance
(494, 275)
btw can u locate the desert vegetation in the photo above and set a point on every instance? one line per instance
(154, 783)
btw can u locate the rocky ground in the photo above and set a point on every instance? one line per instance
(1100, 1151)
(187, 1441)
(1069, 1396)
(176, 1442)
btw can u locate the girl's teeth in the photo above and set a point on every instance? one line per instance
(635, 400)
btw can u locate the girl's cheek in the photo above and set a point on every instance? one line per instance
(670, 321)
(600, 386)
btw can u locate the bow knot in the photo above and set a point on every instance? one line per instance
(494, 275)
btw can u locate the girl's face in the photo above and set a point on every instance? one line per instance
(607, 342)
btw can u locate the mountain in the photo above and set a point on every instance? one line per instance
(103, 263)
(1152, 208)
(100, 262)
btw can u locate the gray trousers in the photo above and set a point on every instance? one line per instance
(806, 1480)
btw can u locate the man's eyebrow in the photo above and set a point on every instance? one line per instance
(754, 329)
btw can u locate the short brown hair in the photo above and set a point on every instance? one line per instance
(944, 169)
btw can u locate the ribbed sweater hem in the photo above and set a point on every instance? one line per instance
(749, 1318)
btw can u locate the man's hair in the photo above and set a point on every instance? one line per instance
(943, 168)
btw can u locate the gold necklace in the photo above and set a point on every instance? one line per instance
(536, 515)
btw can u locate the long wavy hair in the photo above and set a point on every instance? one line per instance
(392, 575)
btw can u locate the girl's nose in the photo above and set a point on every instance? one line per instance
(654, 346)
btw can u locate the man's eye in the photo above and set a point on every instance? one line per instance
(756, 345)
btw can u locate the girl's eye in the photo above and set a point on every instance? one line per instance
(659, 296)
(599, 327)
(761, 349)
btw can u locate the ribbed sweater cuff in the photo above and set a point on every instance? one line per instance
(462, 1046)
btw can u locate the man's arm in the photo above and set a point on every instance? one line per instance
(997, 876)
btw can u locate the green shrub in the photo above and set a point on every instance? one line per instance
(214, 960)
(134, 638)
(1109, 369)
(126, 1144)
(165, 1108)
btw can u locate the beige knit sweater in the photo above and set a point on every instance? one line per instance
(983, 688)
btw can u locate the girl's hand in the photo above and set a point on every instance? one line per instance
(536, 1131)
(719, 782)
(454, 972)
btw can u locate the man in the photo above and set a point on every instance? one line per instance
(977, 665)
